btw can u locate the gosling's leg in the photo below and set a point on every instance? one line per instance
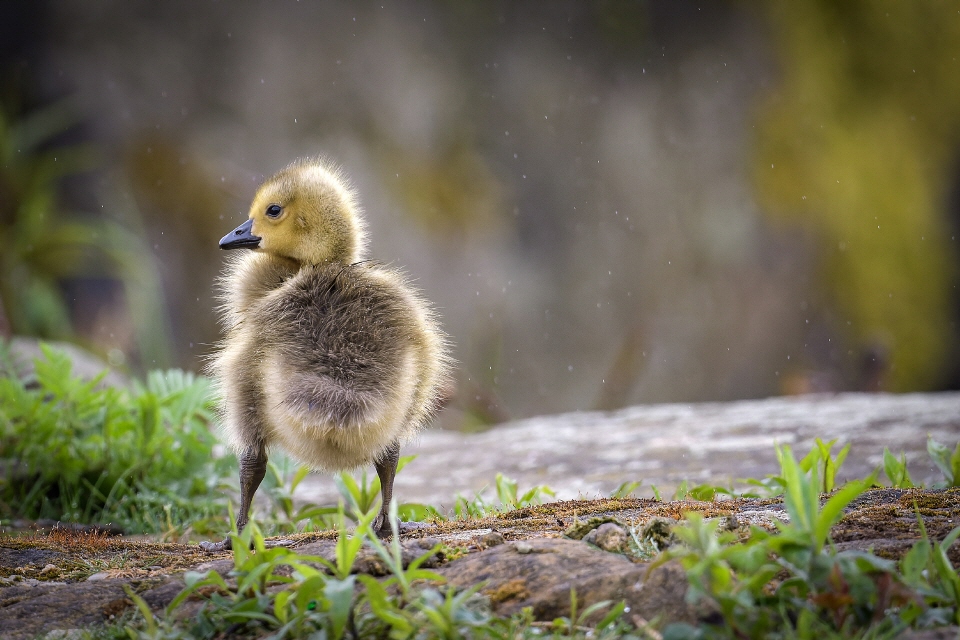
(253, 467)
(387, 470)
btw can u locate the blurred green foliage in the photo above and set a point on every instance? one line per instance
(41, 244)
(855, 146)
(46, 245)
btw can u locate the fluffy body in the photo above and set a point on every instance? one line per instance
(332, 362)
(331, 359)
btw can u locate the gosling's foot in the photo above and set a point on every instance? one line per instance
(382, 526)
(227, 545)
(217, 547)
(411, 527)
(282, 542)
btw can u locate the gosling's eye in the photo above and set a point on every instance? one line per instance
(274, 211)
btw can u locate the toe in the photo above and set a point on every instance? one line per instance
(216, 547)
(410, 527)
(280, 542)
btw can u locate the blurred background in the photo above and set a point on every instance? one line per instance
(610, 202)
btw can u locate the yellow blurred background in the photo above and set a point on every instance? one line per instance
(609, 202)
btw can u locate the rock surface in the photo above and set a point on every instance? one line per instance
(541, 573)
(591, 454)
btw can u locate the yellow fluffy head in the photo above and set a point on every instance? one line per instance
(308, 213)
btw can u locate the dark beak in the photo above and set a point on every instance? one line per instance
(240, 238)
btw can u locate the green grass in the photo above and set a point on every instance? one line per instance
(283, 594)
(138, 458)
(794, 584)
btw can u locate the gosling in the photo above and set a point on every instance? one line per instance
(334, 360)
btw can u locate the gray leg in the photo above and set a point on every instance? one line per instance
(253, 466)
(387, 470)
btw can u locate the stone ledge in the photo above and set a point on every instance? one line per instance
(590, 454)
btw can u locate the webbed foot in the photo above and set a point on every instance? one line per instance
(282, 542)
(217, 547)
(227, 544)
(382, 526)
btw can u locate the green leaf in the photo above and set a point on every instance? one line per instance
(896, 470)
(382, 607)
(339, 594)
(310, 589)
(195, 581)
(944, 460)
(950, 538)
(238, 616)
(533, 496)
(298, 477)
(812, 459)
(801, 499)
(832, 511)
(703, 492)
(144, 609)
(312, 512)
(506, 491)
(349, 489)
(955, 466)
(950, 580)
(834, 467)
(280, 606)
(404, 461)
(681, 492)
(348, 547)
(415, 512)
(589, 611)
(626, 489)
(867, 562)
(612, 616)
(254, 579)
(915, 561)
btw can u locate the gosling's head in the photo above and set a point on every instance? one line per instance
(306, 213)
